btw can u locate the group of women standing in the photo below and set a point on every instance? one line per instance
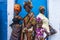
(32, 28)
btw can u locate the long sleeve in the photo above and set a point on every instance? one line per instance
(45, 21)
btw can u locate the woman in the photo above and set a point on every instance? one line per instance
(16, 27)
(27, 25)
(45, 21)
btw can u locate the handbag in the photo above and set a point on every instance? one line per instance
(52, 31)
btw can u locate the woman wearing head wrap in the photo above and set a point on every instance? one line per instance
(45, 20)
(16, 27)
(28, 21)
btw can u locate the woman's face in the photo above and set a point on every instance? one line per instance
(17, 8)
(42, 10)
(27, 9)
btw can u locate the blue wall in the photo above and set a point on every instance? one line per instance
(3, 19)
(36, 4)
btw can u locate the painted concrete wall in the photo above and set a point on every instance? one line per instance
(36, 4)
(3, 19)
(10, 12)
(54, 17)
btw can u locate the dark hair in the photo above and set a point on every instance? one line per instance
(28, 4)
(41, 9)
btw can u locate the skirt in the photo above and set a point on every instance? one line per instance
(16, 32)
(39, 38)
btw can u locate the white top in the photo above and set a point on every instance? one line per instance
(45, 21)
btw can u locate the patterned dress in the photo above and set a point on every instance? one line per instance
(29, 21)
(45, 21)
(16, 29)
(39, 34)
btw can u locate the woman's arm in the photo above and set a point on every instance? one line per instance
(47, 34)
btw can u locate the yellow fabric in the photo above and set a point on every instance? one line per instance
(26, 19)
(45, 21)
(33, 22)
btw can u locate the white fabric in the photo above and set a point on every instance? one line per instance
(31, 29)
(45, 21)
